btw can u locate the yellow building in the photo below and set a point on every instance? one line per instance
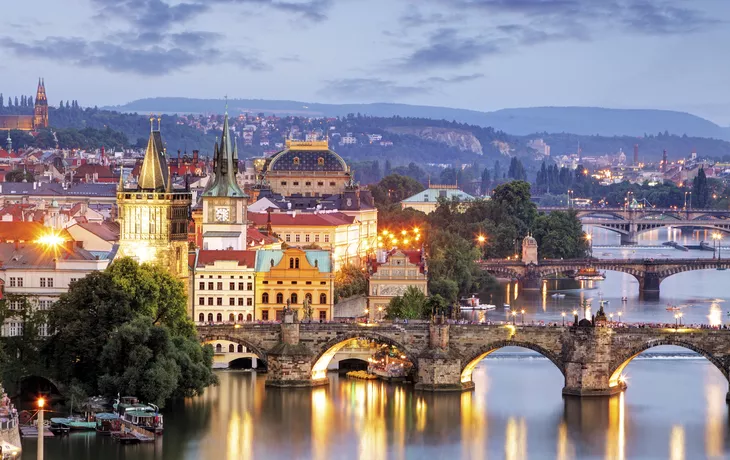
(153, 217)
(307, 168)
(391, 274)
(349, 239)
(292, 277)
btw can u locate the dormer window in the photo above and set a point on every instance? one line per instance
(296, 161)
(320, 161)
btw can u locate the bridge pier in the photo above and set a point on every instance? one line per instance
(530, 282)
(649, 285)
(587, 362)
(290, 362)
(631, 238)
(439, 368)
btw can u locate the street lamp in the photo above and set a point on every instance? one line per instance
(41, 403)
(589, 238)
(563, 315)
(523, 316)
(481, 239)
(680, 318)
(676, 320)
(619, 317)
(380, 312)
(514, 314)
(610, 315)
(717, 236)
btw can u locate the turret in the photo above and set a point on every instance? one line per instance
(154, 173)
(225, 159)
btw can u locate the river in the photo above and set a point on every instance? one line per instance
(674, 407)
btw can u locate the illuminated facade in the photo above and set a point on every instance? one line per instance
(224, 203)
(292, 277)
(391, 274)
(222, 287)
(153, 217)
(307, 168)
(39, 119)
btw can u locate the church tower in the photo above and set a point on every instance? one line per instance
(153, 217)
(40, 113)
(224, 203)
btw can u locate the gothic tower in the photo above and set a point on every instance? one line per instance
(224, 203)
(40, 114)
(153, 217)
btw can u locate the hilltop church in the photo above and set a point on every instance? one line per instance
(38, 120)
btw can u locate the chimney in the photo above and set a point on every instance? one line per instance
(70, 245)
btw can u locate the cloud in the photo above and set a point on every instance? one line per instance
(157, 59)
(313, 10)
(454, 79)
(150, 14)
(446, 48)
(370, 89)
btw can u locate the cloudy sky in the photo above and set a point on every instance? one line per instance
(476, 54)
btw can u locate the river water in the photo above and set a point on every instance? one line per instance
(674, 407)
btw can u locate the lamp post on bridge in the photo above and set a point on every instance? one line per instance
(610, 316)
(563, 315)
(619, 317)
(41, 403)
(514, 315)
(523, 316)
(575, 317)
(589, 238)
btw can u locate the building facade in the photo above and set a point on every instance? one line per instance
(427, 200)
(39, 119)
(391, 274)
(294, 278)
(153, 217)
(222, 286)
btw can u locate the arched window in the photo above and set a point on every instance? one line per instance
(323, 299)
(291, 262)
(218, 348)
(201, 317)
(249, 317)
(280, 298)
(219, 317)
(231, 348)
(265, 297)
(231, 317)
(240, 348)
(210, 317)
(308, 298)
(240, 317)
(296, 161)
(294, 299)
(320, 161)
(296, 262)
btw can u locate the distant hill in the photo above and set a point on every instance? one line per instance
(524, 121)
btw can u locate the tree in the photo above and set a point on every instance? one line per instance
(516, 170)
(394, 188)
(22, 352)
(700, 190)
(350, 280)
(484, 186)
(19, 175)
(411, 305)
(560, 235)
(126, 330)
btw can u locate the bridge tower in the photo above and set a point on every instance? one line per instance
(529, 250)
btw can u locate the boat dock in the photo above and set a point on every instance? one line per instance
(28, 431)
(131, 434)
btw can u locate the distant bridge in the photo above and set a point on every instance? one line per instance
(629, 223)
(649, 272)
(592, 359)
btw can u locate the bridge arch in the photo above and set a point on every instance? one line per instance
(619, 364)
(258, 351)
(321, 361)
(471, 360)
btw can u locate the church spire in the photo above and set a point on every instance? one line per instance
(120, 187)
(153, 175)
(224, 182)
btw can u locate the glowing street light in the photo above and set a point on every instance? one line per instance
(563, 315)
(619, 316)
(523, 316)
(514, 315)
(481, 239)
(41, 403)
(717, 236)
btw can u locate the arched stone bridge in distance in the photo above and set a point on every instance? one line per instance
(649, 272)
(629, 223)
(591, 359)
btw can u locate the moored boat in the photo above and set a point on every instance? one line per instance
(107, 423)
(673, 308)
(59, 426)
(145, 416)
(558, 295)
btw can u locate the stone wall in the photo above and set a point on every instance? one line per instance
(351, 307)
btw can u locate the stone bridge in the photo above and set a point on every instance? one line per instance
(631, 222)
(649, 272)
(592, 359)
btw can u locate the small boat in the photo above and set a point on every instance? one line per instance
(481, 306)
(107, 423)
(558, 295)
(589, 274)
(145, 416)
(722, 269)
(624, 299)
(606, 254)
(59, 426)
(506, 306)
(673, 308)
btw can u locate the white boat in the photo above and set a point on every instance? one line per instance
(506, 306)
(481, 306)
(558, 295)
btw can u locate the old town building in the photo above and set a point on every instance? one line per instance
(39, 119)
(296, 278)
(391, 274)
(222, 286)
(153, 217)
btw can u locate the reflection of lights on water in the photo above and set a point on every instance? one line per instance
(715, 316)
(616, 439)
(714, 425)
(676, 443)
(515, 439)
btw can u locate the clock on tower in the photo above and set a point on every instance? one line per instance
(222, 214)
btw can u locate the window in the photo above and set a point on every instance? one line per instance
(210, 317)
(295, 183)
(240, 318)
(308, 282)
(240, 347)
(249, 286)
(296, 163)
(283, 182)
(210, 286)
(201, 300)
(231, 318)
(219, 301)
(306, 238)
(240, 301)
(13, 281)
(265, 315)
(293, 282)
(332, 184)
(323, 316)
(320, 161)
(201, 317)
(294, 299)
(322, 299)
(291, 262)
(218, 348)
(240, 286)
(15, 304)
(287, 238)
(210, 300)
(20, 282)
(43, 330)
(323, 282)
(326, 238)
(50, 282)
(248, 317)
(43, 282)
(219, 286)
(320, 184)
(202, 286)
(316, 238)
(232, 286)
(73, 280)
(280, 298)
(308, 298)
(231, 347)
(279, 282)
(296, 238)
(232, 301)
(265, 282)
(249, 301)
(219, 317)
(307, 183)
(265, 297)
(296, 262)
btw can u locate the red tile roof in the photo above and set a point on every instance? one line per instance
(107, 231)
(25, 231)
(244, 258)
(255, 238)
(414, 257)
(301, 218)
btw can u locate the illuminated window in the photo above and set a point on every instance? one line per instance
(296, 161)
(294, 298)
(265, 297)
(323, 299)
(320, 161)
(280, 298)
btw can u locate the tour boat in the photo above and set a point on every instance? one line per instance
(472, 303)
(673, 308)
(145, 416)
(557, 295)
(589, 274)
